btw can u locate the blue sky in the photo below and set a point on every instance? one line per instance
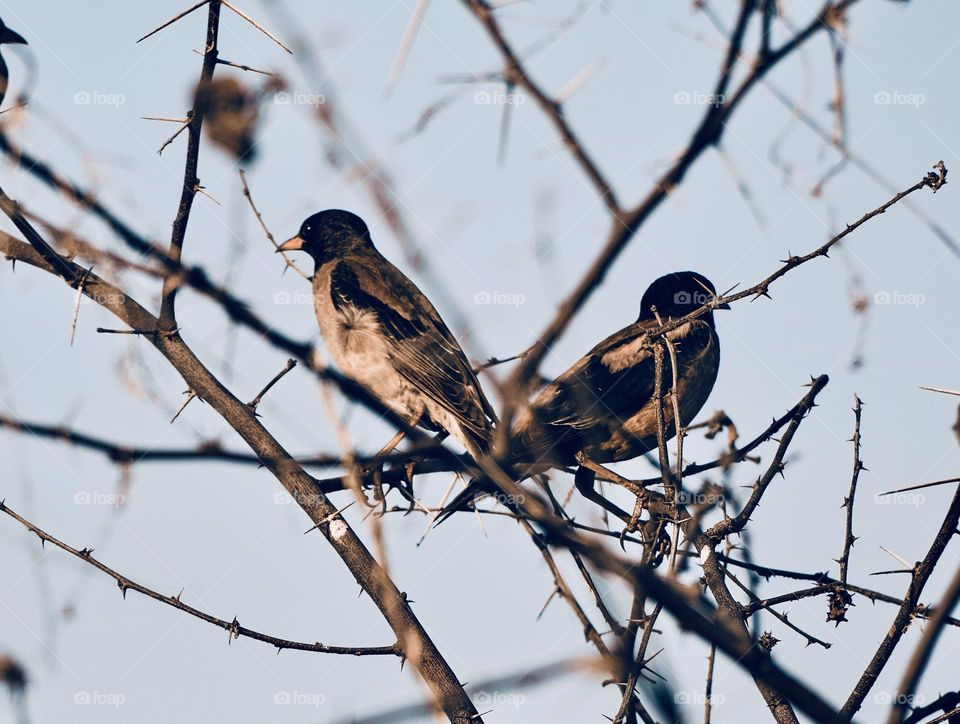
(521, 231)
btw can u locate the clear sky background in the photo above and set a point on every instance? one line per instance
(526, 227)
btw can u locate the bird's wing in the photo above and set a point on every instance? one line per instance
(609, 384)
(612, 379)
(421, 347)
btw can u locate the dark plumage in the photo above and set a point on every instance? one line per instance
(603, 406)
(7, 36)
(384, 333)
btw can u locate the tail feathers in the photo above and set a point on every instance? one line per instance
(479, 488)
(476, 488)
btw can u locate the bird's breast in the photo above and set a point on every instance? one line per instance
(353, 336)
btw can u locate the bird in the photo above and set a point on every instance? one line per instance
(604, 406)
(7, 36)
(383, 333)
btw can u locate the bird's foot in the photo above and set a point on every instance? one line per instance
(370, 475)
(380, 498)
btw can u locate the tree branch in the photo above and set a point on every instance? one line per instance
(233, 627)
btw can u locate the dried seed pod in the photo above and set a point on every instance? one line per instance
(230, 113)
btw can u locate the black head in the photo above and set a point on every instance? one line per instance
(8, 36)
(678, 294)
(329, 234)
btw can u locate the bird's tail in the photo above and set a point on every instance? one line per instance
(477, 445)
(483, 486)
(476, 488)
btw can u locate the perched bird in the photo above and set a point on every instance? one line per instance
(383, 333)
(604, 406)
(7, 36)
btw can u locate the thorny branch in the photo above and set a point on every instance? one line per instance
(722, 626)
(858, 467)
(191, 183)
(233, 627)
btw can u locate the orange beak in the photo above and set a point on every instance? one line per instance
(294, 243)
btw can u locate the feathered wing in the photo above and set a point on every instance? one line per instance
(589, 403)
(421, 347)
(579, 405)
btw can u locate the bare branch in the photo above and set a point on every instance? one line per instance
(849, 537)
(233, 627)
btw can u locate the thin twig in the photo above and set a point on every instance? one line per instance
(172, 281)
(849, 538)
(257, 25)
(175, 19)
(270, 237)
(291, 363)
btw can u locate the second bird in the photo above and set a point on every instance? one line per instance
(605, 405)
(384, 333)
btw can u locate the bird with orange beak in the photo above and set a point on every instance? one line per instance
(384, 333)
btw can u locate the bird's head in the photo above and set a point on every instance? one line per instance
(8, 36)
(678, 294)
(328, 234)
